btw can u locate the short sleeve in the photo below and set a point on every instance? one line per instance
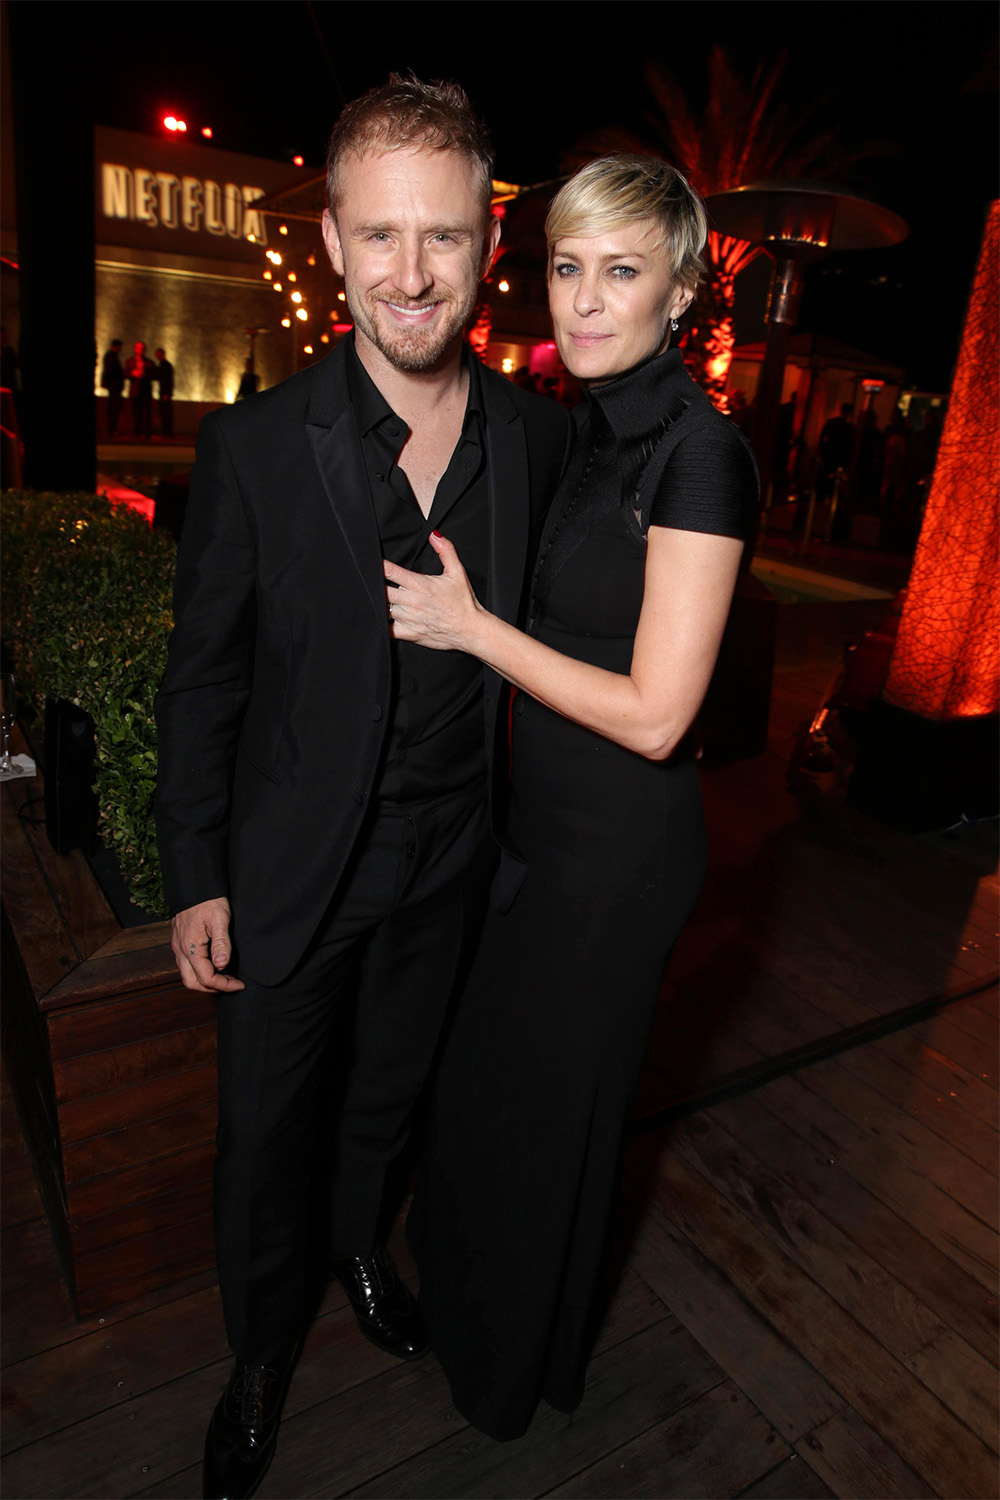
(709, 483)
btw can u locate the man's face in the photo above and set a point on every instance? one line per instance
(412, 243)
(139, 350)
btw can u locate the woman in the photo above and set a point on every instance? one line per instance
(629, 599)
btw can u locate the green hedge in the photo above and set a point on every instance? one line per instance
(86, 615)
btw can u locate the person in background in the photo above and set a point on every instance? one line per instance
(164, 374)
(113, 381)
(249, 381)
(836, 444)
(139, 374)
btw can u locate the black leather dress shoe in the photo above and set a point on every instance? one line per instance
(243, 1432)
(384, 1307)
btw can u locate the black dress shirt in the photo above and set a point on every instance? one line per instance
(435, 744)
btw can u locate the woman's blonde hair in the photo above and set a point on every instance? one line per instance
(624, 189)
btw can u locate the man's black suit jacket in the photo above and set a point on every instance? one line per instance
(275, 702)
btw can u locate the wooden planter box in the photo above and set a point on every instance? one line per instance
(112, 1065)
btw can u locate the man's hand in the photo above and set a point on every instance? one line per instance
(200, 940)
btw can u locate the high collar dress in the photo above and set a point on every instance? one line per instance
(510, 1221)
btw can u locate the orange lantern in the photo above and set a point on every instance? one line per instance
(946, 662)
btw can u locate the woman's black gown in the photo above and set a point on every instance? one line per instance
(510, 1219)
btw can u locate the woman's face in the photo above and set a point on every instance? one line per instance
(612, 296)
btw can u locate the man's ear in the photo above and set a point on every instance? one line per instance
(331, 239)
(490, 244)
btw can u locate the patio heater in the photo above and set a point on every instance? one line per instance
(796, 223)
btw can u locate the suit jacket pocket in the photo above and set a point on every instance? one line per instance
(270, 772)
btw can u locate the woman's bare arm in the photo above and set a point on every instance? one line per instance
(689, 584)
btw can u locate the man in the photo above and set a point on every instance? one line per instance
(164, 374)
(249, 381)
(113, 381)
(139, 372)
(324, 789)
(836, 444)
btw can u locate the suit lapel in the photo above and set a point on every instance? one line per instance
(507, 467)
(333, 434)
(336, 446)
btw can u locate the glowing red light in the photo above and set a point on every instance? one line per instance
(946, 661)
(500, 211)
(298, 161)
(206, 131)
(170, 122)
(182, 125)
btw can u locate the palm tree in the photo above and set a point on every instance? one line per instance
(743, 134)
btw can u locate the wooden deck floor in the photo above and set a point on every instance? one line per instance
(806, 1300)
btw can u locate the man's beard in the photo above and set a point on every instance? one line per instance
(412, 350)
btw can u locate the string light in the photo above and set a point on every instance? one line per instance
(296, 296)
(282, 228)
(286, 322)
(301, 313)
(307, 348)
(268, 276)
(292, 276)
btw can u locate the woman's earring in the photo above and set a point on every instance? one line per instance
(674, 325)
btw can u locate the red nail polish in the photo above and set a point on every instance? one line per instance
(438, 535)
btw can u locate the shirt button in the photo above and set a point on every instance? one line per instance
(376, 713)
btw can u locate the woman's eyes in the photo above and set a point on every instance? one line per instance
(566, 269)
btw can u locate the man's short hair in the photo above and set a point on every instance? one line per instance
(405, 112)
(625, 189)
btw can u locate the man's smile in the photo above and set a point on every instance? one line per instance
(411, 313)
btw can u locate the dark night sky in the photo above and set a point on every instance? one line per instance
(918, 78)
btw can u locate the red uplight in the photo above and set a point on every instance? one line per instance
(170, 122)
(298, 161)
(182, 125)
(206, 131)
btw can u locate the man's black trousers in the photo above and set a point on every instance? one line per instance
(318, 1076)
